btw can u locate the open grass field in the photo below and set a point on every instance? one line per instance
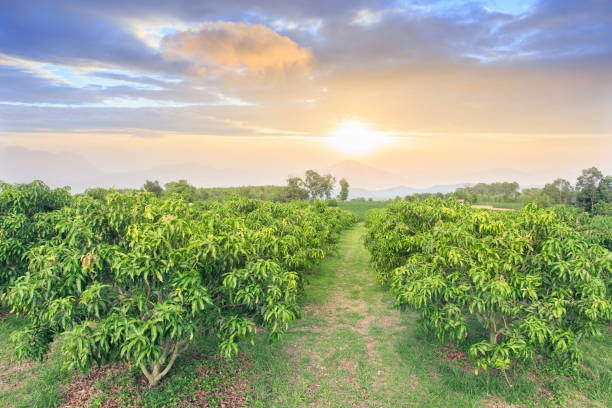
(511, 205)
(362, 207)
(351, 348)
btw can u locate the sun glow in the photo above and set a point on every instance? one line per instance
(356, 137)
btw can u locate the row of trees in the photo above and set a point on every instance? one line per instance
(592, 192)
(137, 278)
(312, 186)
(315, 185)
(507, 191)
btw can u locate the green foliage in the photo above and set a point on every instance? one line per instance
(495, 191)
(344, 190)
(510, 284)
(319, 186)
(27, 216)
(595, 227)
(295, 189)
(361, 206)
(153, 187)
(136, 278)
(183, 189)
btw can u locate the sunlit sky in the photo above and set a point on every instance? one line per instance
(434, 91)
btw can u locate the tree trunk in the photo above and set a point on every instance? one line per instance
(156, 373)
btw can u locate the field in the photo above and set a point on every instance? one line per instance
(294, 305)
(510, 204)
(362, 207)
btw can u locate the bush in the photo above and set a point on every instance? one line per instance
(136, 278)
(508, 284)
(27, 216)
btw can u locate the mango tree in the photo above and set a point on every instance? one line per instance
(512, 284)
(137, 278)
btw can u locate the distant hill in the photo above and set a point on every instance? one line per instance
(22, 165)
(19, 165)
(385, 194)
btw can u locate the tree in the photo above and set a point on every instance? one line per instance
(559, 191)
(295, 191)
(586, 185)
(535, 195)
(604, 190)
(137, 278)
(153, 187)
(510, 284)
(27, 216)
(344, 190)
(327, 185)
(312, 182)
(182, 188)
(319, 186)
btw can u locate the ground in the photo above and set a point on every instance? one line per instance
(351, 348)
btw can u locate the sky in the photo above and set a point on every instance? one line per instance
(435, 91)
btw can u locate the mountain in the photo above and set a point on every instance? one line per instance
(22, 165)
(402, 191)
(362, 176)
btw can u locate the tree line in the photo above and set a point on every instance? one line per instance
(312, 186)
(592, 192)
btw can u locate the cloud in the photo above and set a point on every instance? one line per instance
(232, 45)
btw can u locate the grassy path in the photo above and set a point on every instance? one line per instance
(352, 348)
(343, 352)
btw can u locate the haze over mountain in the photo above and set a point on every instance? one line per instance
(21, 165)
(363, 176)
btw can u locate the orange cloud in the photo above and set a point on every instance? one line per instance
(255, 47)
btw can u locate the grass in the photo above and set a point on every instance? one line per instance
(361, 207)
(30, 384)
(199, 378)
(351, 348)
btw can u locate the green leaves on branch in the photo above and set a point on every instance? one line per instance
(137, 278)
(512, 284)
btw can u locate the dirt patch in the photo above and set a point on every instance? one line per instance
(451, 353)
(13, 368)
(348, 365)
(82, 388)
(494, 402)
(580, 400)
(312, 389)
(389, 321)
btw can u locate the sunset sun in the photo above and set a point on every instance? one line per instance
(356, 137)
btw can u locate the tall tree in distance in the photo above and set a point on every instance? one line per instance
(319, 186)
(295, 189)
(327, 185)
(344, 190)
(587, 185)
(559, 191)
(183, 188)
(153, 187)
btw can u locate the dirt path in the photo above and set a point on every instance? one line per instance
(343, 352)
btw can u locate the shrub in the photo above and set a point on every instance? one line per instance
(136, 278)
(509, 284)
